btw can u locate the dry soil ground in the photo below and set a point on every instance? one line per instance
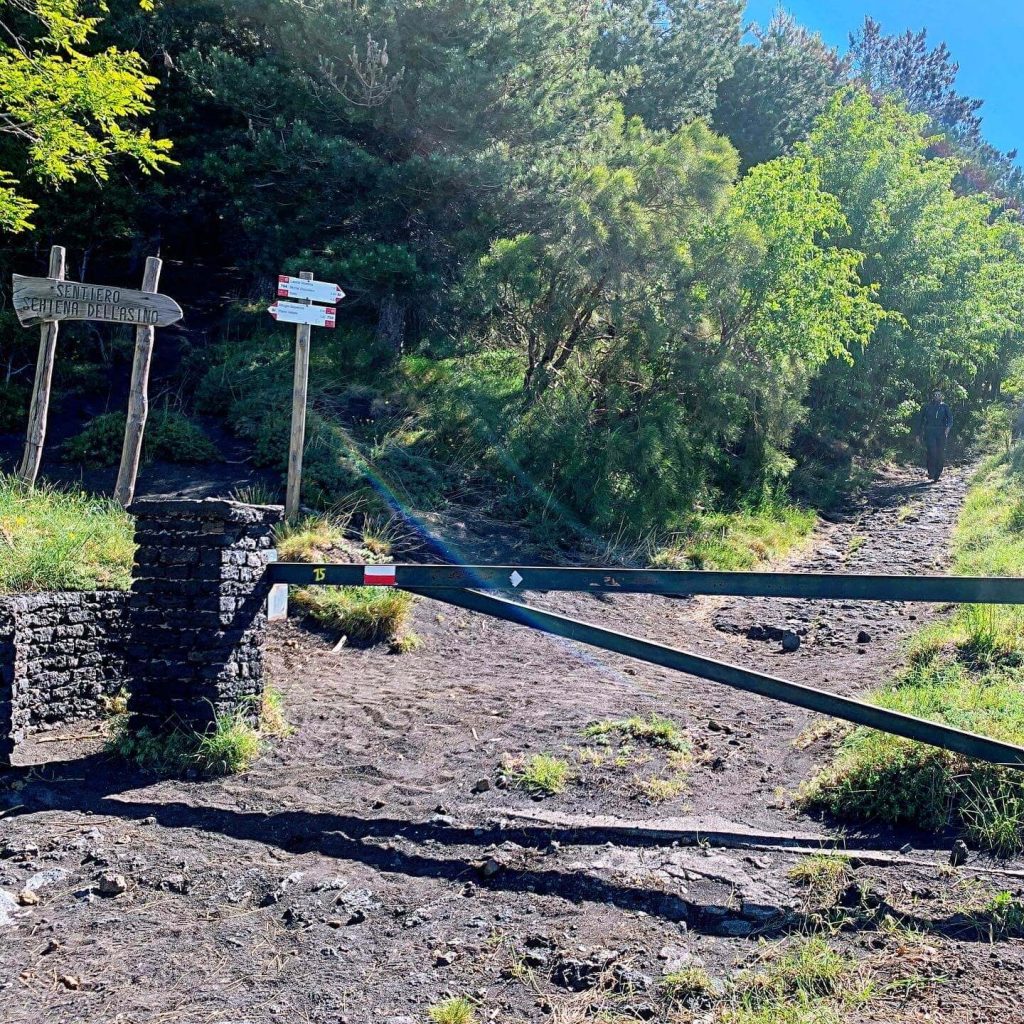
(371, 864)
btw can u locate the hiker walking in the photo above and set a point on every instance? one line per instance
(933, 429)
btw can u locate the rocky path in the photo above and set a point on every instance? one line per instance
(373, 863)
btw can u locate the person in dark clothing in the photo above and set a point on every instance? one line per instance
(936, 421)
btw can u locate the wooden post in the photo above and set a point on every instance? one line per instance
(36, 437)
(138, 399)
(298, 435)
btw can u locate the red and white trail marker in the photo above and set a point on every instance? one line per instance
(378, 576)
(314, 291)
(300, 313)
(295, 306)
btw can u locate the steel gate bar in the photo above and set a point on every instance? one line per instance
(912, 728)
(820, 586)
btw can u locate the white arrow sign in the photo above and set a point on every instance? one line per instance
(299, 313)
(315, 291)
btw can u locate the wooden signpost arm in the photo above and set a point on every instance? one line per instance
(138, 400)
(298, 435)
(36, 438)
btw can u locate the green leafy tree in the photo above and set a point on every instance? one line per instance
(942, 263)
(69, 112)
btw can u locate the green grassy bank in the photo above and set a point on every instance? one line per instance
(62, 540)
(964, 669)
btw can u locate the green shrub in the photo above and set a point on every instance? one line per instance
(231, 744)
(169, 437)
(366, 615)
(52, 539)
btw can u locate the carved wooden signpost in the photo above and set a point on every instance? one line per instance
(47, 301)
(40, 299)
(303, 291)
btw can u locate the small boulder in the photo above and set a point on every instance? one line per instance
(481, 786)
(790, 641)
(863, 637)
(28, 898)
(111, 884)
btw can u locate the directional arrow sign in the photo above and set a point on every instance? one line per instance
(315, 291)
(39, 299)
(300, 313)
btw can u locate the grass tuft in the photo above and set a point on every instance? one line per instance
(539, 774)
(52, 539)
(366, 615)
(310, 539)
(231, 745)
(824, 875)
(655, 730)
(689, 986)
(802, 974)
(736, 540)
(457, 1010)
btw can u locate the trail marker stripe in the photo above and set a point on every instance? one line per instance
(378, 576)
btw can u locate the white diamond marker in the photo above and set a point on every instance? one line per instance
(515, 579)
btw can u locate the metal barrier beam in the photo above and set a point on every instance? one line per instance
(846, 708)
(682, 582)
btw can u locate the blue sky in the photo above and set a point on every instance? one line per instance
(985, 36)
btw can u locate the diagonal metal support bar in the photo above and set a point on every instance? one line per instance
(832, 704)
(820, 586)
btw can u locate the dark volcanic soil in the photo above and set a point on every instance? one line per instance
(371, 864)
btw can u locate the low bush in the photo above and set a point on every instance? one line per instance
(169, 437)
(736, 540)
(231, 745)
(366, 615)
(52, 539)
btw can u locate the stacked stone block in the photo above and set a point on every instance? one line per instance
(197, 612)
(61, 656)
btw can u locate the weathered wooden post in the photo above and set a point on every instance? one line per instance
(304, 291)
(138, 398)
(46, 300)
(36, 437)
(300, 389)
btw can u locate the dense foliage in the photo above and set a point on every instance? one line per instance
(64, 112)
(607, 262)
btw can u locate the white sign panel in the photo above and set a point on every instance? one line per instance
(315, 291)
(299, 313)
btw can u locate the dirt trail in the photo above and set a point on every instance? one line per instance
(370, 864)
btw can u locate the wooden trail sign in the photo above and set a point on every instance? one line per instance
(314, 291)
(304, 291)
(47, 301)
(300, 313)
(41, 299)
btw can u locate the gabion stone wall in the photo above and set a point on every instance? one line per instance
(61, 654)
(197, 612)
